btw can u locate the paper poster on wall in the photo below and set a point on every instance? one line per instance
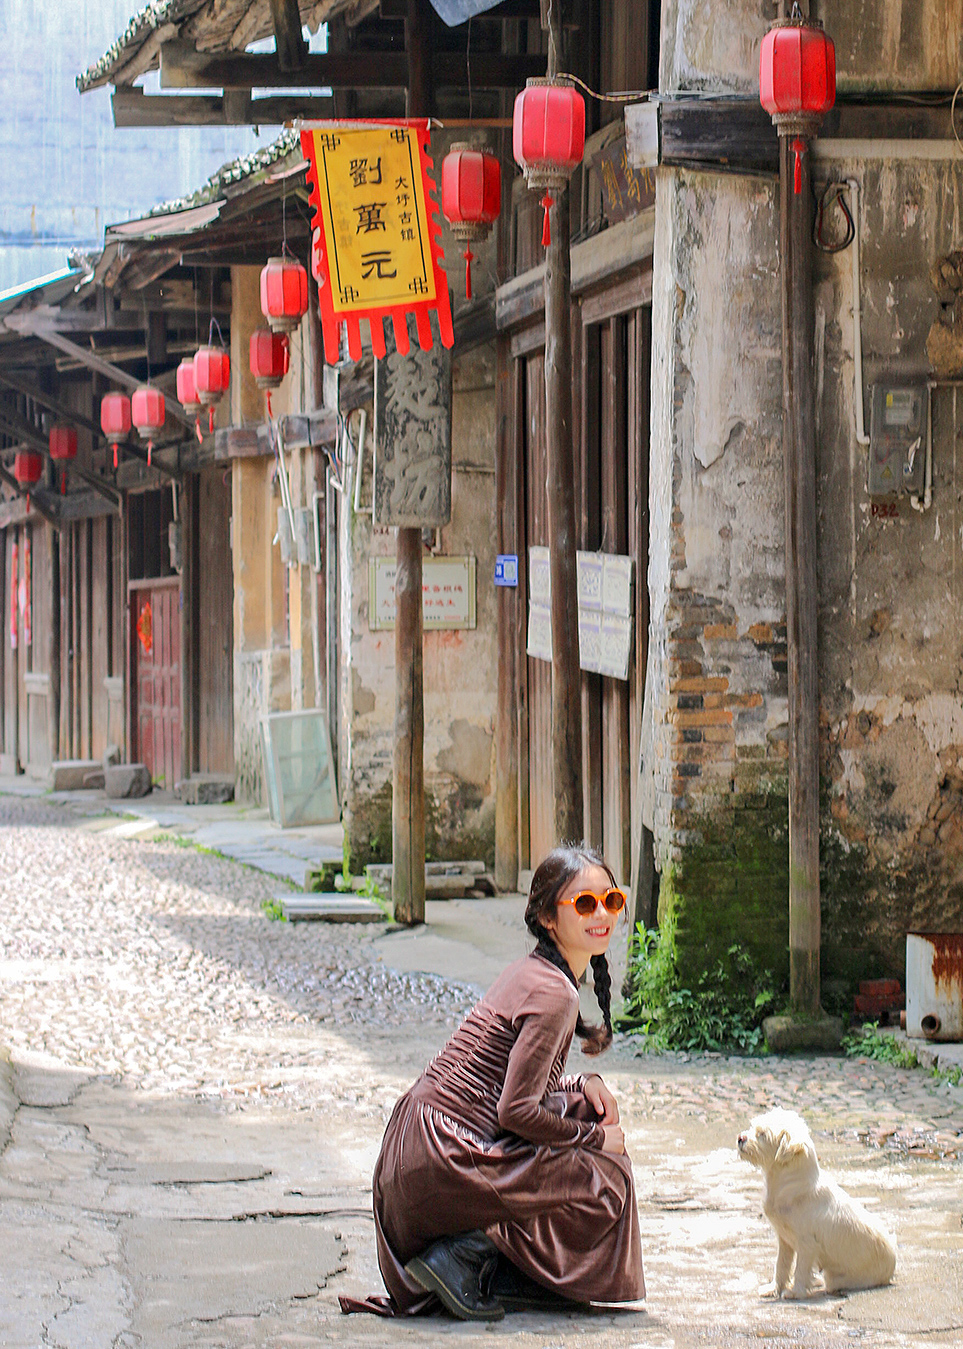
(605, 625)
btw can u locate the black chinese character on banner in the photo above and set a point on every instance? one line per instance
(369, 217)
(419, 286)
(329, 142)
(370, 261)
(363, 173)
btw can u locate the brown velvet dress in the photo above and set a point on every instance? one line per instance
(492, 1137)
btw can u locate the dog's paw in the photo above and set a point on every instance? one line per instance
(769, 1290)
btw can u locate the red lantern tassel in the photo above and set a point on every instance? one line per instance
(267, 399)
(468, 257)
(799, 148)
(546, 226)
(150, 446)
(210, 423)
(115, 456)
(63, 482)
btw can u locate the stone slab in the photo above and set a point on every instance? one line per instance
(330, 908)
(443, 880)
(126, 780)
(206, 789)
(67, 775)
(788, 1034)
(8, 1100)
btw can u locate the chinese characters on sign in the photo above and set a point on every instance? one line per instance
(604, 611)
(377, 250)
(447, 592)
(626, 190)
(412, 479)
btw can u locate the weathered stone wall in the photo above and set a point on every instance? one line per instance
(459, 666)
(890, 658)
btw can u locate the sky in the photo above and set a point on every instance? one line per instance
(65, 171)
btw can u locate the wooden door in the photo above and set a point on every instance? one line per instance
(214, 590)
(541, 790)
(155, 677)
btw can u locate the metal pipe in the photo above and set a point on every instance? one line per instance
(861, 435)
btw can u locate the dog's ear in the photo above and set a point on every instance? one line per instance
(790, 1146)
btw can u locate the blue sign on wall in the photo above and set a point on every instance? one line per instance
(506, 569)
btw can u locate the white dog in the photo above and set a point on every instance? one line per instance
(816, 1222)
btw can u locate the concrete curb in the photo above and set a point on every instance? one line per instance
(9, 1104)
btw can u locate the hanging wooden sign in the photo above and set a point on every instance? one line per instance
(377, 250)
(412, 471)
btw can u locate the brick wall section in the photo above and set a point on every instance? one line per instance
(720, 805)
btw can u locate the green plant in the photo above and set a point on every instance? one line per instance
(272, 909)
(723, 1011)
(869, 1042)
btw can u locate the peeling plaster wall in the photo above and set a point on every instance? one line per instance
(890, 589)
(460, 667)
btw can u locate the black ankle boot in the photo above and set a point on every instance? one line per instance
(458, 1270)
(517, 1291)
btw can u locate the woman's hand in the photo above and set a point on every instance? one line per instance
(613, 1139)
(601, 1100)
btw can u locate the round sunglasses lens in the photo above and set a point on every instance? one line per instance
(614, 901)
(585, 904)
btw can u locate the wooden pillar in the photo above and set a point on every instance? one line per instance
(506, 744)
(799, 441)
(408, 794)
(566, 678)
(53, 720)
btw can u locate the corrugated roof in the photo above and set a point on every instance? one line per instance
(212, 25)
(48, 289)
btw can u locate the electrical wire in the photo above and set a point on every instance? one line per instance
(956, 134)
(620, 96)
(832, 194)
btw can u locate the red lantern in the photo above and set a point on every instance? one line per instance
(27, 467)
(186, 388)
(269, 356)
(63, 446)
(212, 375)
(284, 293)
(148, 411)
(548, 137)
(187, 392)
(471, 197)
(115, 418)
(797, 80)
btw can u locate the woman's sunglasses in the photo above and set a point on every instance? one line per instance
(586, 901)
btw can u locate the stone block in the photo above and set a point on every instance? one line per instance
(330, 908)
(206, 789)
(67, 775)
(789, 1034)
(127, 780)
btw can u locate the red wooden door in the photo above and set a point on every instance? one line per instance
(155, 677)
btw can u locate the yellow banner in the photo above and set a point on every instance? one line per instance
(372, 200)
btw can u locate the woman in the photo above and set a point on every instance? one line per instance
(501, 1182)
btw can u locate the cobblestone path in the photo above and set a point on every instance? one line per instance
(152, 970)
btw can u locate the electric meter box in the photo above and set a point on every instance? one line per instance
(897, 438)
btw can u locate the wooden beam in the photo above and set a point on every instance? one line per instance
(736, 134)
(184, 68)
(289, 44)
(133, 108)
(94, 362)
(44, 512)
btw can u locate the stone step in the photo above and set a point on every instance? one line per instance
(330, 908)
(443, 880)
(205, 789)
(68, 775)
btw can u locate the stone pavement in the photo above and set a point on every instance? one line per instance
(195, 1095)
